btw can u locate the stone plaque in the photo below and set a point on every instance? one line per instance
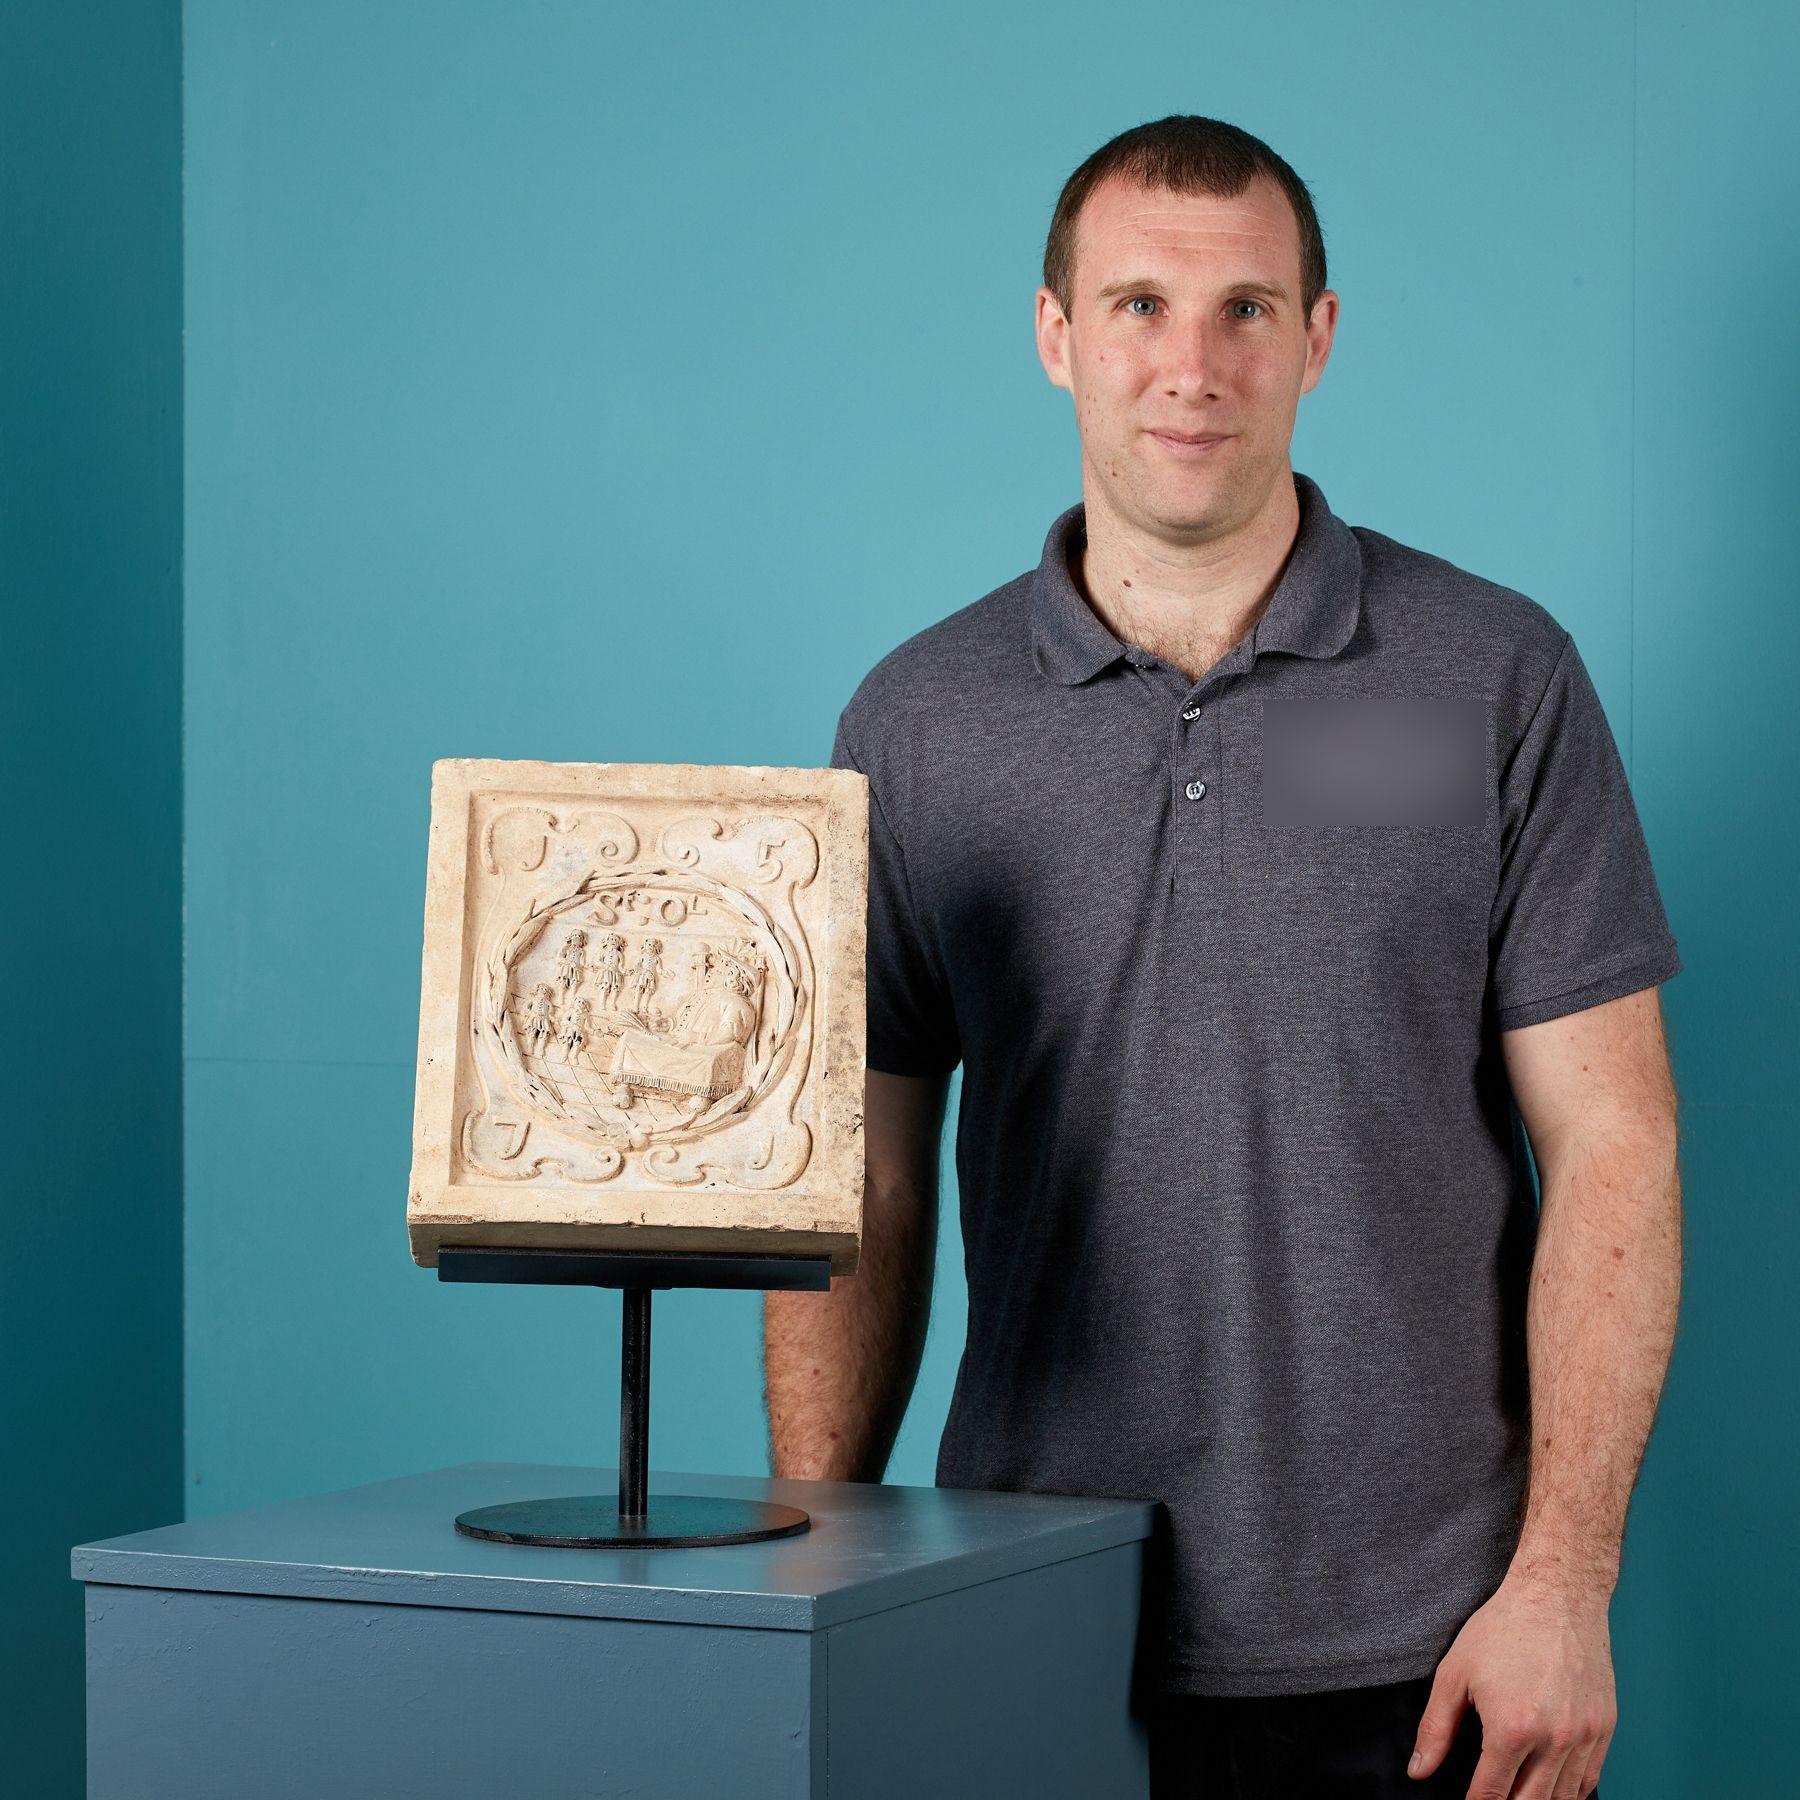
(641, 1020)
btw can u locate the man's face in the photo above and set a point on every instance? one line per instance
(1185, 325)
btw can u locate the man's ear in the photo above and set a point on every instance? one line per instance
(1321, 329)
(1053, 339)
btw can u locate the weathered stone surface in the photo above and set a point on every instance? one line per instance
(641, 1019)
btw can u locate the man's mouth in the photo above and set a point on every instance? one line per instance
(1191, 443)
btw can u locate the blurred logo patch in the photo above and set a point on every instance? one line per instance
(1374, 760)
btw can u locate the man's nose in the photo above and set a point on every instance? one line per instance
(1193, 356)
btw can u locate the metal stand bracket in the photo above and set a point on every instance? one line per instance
(634, 1518)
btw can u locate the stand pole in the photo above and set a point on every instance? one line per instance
(634, 1405)
(633, 1518)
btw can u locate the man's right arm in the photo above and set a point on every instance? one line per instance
(839, 1367)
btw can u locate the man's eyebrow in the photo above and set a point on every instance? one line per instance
(1268, 290)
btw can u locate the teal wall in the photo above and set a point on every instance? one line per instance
(595, 382)
(90, 877)
(1713, 1558)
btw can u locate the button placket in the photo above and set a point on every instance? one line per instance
(1198, 738)
(1196, 788)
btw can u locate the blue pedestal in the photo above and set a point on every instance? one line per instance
(915, 1642)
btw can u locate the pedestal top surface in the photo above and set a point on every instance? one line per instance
(870, 1547)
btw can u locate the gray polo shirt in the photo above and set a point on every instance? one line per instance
(1247, 1208)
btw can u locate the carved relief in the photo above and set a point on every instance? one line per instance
(639, 985)
(652, 1005)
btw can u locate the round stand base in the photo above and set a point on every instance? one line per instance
(594, 1522)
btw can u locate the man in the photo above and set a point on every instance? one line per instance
(1272, 881)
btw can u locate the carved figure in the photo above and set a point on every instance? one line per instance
(610, 968)
(571, 961)
(574, 1033)
(701, 1057)
(648, 972)
(540, 1022)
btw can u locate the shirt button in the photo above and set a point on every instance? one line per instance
(1190, 711)
(1195, 789)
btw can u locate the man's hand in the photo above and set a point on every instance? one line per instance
(1536, 1663)
(1598, 1100)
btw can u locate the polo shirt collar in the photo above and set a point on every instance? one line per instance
(1313, 611)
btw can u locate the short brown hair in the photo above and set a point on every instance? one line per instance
(1185, 154)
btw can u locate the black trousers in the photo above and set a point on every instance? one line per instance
(1348, 1744)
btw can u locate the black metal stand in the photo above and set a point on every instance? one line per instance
(635, 1518)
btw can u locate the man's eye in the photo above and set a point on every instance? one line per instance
(1135, 298)
(1256, 303)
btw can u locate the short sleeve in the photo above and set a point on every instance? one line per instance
(1577, 917)
(912, 1029)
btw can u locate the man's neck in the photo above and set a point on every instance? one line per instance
(1187, 605)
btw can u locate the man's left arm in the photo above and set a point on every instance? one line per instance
(1596, 1094)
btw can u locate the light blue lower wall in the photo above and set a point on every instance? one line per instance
(90, 876)
(591, 384)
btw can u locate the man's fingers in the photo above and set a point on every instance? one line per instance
(1437, 1724)
(1567, 1785)
(1591, 1779)
(1529, 1766)
(1554, 1773)
(1493, 1777)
